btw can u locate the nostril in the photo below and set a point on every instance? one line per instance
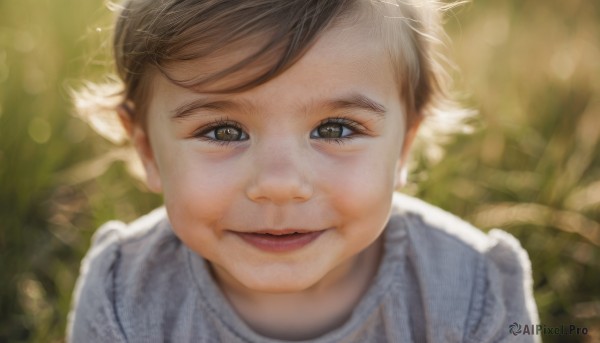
(280, 191)
(279, 175)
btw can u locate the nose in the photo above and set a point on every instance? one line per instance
(280, 174)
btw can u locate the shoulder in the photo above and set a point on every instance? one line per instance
(122, 264)
(478, 282)
(117, 247)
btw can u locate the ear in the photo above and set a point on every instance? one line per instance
(139, 138)
(411, 133)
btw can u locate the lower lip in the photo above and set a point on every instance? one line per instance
(279, 243)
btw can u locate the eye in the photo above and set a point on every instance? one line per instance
(227, 133)
(336, 128)
(330, 130)
(222, 132)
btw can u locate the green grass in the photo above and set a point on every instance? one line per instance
(533, 168)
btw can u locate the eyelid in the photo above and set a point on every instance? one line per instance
(356, 127)
(201, 132)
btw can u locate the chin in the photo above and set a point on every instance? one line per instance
(288, 284)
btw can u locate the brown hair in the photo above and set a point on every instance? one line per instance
(152, 36)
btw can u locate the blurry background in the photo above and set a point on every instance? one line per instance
(531, 68)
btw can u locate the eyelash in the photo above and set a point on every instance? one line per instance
(356, 128)
(203, 131)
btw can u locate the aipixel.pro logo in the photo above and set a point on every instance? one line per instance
(515, 328)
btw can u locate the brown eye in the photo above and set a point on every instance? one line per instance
(336, 129)
(330, 130)
(222, 132)
(228, 133)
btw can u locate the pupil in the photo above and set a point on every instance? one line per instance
(330, 131)
(227, 134)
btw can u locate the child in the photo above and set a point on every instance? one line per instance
(277, 132)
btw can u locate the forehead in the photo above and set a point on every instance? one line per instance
(348, 58)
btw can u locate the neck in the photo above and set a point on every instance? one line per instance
(311, 312)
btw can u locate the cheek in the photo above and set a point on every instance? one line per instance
(198, 191)
(360, 186)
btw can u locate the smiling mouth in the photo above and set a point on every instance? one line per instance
(280, 240)
(283, 232)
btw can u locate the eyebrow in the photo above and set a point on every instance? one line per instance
(359, 102)
(190, 108)
(352, 101)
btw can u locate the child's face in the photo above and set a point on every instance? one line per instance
(315, 150)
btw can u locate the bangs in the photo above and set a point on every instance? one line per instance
(178, 33)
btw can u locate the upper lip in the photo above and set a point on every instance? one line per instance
(280, 231)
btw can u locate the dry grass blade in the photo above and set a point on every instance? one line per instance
(510, 214)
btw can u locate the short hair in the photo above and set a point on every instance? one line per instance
(152, 36)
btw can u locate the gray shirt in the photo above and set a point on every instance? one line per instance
(440, 280)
